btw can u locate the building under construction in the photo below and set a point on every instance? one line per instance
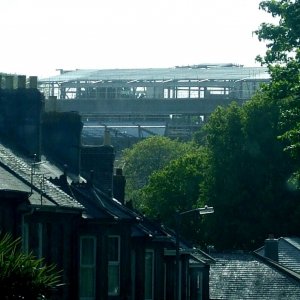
(155, 100)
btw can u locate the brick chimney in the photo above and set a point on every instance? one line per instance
(271, 248)
(100, 159)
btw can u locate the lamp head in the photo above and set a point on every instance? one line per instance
(206, 210)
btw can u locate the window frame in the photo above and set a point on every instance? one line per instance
(115, 263)
(152, 252)
(87, 266)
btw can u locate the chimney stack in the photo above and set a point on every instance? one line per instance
(9, 82)
(106, 138)
(21, 82)
(271, 248)
(119, 182)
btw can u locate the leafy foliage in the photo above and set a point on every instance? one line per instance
(176, 187)
(283, 59)
(146, 157)
(283, 38)
(248, 178)
(22, 276)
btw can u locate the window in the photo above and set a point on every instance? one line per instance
(33, 239)
(87, 267)
(113, 265)
(149, 274)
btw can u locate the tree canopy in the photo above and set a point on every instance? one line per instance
(176, 188)
(282, 36)
(146, 157)
(283, 59)
(247, 179)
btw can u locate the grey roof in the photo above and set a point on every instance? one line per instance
(244, 276)
(288, 253)
(208, 71)
(16, 174)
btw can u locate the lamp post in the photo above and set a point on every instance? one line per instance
(202, 211)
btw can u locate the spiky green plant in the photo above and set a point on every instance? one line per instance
(22, 276)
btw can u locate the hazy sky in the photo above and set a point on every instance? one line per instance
(40, 36)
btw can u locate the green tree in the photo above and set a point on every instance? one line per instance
(22, 276)
(282, 36)
(247, 175)
(176, 187)
(283, 59)
(146, 157)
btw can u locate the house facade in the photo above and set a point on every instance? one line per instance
(104, 249)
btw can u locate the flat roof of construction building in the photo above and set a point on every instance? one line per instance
(230, 72)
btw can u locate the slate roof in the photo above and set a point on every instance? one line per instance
(16, 174)
(244, 276)
(99, 206)
(288, 253)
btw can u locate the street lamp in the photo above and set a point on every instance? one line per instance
(202, 211)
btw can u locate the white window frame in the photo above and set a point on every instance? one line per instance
(91, 266)
(151, 251)
(114, 263)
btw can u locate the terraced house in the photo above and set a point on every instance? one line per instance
(104, 249)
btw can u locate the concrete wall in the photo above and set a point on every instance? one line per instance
(138, 106)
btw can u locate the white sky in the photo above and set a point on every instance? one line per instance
(40, 36)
